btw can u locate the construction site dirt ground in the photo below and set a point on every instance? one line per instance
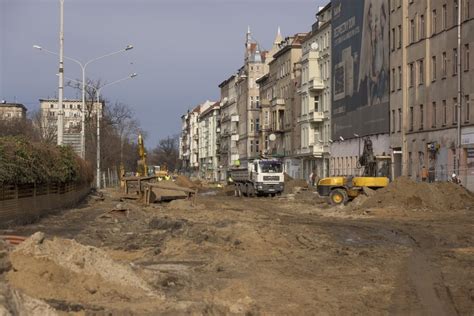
(287, 255)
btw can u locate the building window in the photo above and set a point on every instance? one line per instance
(51, 106)
(399, 36)
(434, 21)
(421, 72)
(455, 61)
(444, 65)
(393, 121)
(433, 115)
(257, 149)
(411, 73)
(422, 27)
(251, 146)
(399, 120)
(455, 110)
(455, 12)
(393, 39)
(433, 68)
(422, 117)
(411, 119)
(466, 9)
(444, 17)
(466, 57)
(316, 104)
(257, 125)
(445, 113)
(393, 83)
(251, 124)
(467, 105)
(412, 31)
(399, 77)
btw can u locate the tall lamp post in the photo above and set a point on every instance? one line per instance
(99, 116)
(83, 68)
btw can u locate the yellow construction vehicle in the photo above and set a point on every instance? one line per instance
(376, 174)
(141, 164)
(342, 189)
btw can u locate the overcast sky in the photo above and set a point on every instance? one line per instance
(183, 49)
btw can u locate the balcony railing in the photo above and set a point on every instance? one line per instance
(316, 117)
(316, 84)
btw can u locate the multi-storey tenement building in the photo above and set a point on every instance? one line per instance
(10, 111)
(49, 109)
(208, 131)
(190, 139)
(229, 124)
(248, 100)
(315, 91)
(266, 91)
(432, 88)
(360, 82)
(284, 104)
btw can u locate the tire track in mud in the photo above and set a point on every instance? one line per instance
(420, 279)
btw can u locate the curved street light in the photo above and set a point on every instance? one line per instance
(83, 68)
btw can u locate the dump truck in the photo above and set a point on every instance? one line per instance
(260, 177)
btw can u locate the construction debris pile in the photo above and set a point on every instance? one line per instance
(404, 193)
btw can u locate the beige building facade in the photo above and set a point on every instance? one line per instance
(229, 127)
(248, 101)
(209, 142)
(315, 91)
(284, 103)
(10, 111)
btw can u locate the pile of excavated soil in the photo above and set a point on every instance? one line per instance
(404, 193)
(185, 182)
(62, 270)
(290, 185)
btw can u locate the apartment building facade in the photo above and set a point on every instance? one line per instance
(315, 91)
(209, 142)
(282, 103)
(434, 92)
(229, 124)
(72, 109)
(248, 100)
(11, 111)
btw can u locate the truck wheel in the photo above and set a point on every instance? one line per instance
(338, 196)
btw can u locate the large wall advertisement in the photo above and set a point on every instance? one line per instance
(360, 60)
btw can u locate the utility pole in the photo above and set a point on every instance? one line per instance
(60, 121)
(458, 140)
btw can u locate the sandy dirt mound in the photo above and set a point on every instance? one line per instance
(62, 270)
(290, 185)
(185, 182)
(404, 193)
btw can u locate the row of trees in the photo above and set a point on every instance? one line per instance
(119, 133)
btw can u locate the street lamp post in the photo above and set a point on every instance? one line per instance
(83, 68)
(99, 116)
(60, 121)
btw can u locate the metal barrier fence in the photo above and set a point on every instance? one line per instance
(25, 203)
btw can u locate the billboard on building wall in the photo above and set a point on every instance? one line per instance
(360, 62)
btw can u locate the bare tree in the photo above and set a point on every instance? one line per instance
(46, 132)
(166, 153)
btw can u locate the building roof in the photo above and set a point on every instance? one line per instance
(225, 82)
(263, 78)
(291, 42)
(13, 105)
(214, 106)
